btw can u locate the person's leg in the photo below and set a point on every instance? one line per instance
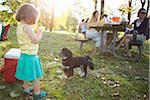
(109, 39)
(38, 94)
(97, 45)
(84, 33)
(127, 47)
(127, 36)
(97, 38)
(98, 42)
(96, 50)
(105, 37)
(121, 42)
(36, 86)
(26, 86)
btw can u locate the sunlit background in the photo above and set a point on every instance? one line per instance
(111, 6)
(67, 14)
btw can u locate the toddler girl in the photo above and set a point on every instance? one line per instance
(29, 68)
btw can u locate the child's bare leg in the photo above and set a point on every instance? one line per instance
(127, 36)
(108, 41)
(26, 86)
(121, 42)
(36, 86)
(127, 47)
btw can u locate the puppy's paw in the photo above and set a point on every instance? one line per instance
(82, 74)
(65, 77)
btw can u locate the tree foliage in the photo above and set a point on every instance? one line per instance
(45, 19)
(66, 22)
(80, 11)
(60, 21)
(71, 22)
(6, 16)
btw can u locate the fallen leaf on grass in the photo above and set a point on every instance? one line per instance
(104, 82)
(59, 72)
(130, 67)
(56, 59)
(117, 66)
(14, 94)
(103, 78)
(137, 77)
(138, 96)
(144, 96)
(62, 77)
(97, 76)
(124, 75)
(116, 94)
(145, 79)
(111, 83)
(115, 85)
(2, 87)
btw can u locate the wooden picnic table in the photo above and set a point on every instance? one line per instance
(114, 29)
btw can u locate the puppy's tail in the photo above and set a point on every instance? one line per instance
(91, 65)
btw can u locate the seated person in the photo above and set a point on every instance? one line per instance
(80, 26)
(92, 33)
(107, 36)
(140, 26)
(84, 27)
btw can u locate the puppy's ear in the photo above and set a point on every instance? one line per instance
(69, 54)
(59, 52)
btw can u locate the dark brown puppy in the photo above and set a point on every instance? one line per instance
(69, 63)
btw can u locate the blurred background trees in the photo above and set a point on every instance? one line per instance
(68, 19)
(8, 10)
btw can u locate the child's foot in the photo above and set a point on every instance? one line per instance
(39, 96)
(27, 96)
(27, 93)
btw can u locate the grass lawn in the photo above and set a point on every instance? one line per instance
(112, 78)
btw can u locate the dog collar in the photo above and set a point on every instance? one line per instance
(65, 61)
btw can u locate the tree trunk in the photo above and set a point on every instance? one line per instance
(95, 8)
(52, 19)
(143, 3)
(102, 9)
(129, 10)
(148, 2)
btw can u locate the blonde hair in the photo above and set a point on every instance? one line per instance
(27, 13)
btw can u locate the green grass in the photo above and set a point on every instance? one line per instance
(132, 77)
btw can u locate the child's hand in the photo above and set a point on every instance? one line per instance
(40, 31)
